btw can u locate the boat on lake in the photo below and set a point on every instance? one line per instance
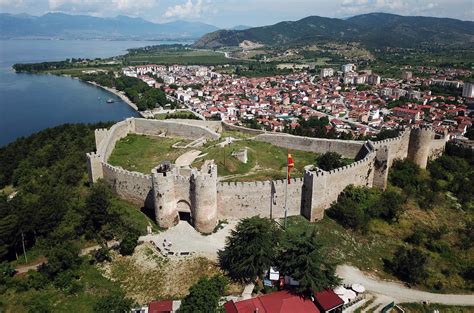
(110, 100)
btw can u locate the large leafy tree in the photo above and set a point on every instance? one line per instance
(250, 249)
(204, 296)
(409, 265)
(329, 161)
(302, 259)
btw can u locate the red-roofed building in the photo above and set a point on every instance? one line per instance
(165, 306)
(277, 302)
(327, 301)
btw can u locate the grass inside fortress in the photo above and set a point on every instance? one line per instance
(142, 153)
(265, 162)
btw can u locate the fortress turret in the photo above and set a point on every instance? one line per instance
(420, 144)
(204, 197)
(94, 167)
(164, 196)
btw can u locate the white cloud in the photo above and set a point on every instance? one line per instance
(189, 9)
(103, 7)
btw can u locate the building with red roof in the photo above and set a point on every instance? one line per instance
(328, 301)
(165, 306)
(277, 302)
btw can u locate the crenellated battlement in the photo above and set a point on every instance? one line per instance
(170, 190)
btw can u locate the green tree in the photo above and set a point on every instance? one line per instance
(302, 259)
(329, 161)
(97, 208)
(114, 302)
(61, 258)
(409, 265)
(250, 249)
(204, 295)
(128, 244)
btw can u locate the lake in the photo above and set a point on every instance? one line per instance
(32, 102)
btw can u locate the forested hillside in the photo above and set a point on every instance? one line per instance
(374, 30)
(52, 212)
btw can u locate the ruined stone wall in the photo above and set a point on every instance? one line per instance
(133, 186)
(420, 145)
(117, 131)
(204, 198)
(245, 130)
(346, 148)
(437, 148)
(176, 128)
(326, 186)
(246, 199)
(398, 146)
(215, 126)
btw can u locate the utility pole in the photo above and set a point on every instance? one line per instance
(23, 243)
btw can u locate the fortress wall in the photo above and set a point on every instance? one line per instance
(132, 186)
(245, 130)
(247, 199)
(398, 146)
(436, 148)
(346, 148)
(182, 189)
(117, 131)
(328, 185)
(214, 126)
(173, 128)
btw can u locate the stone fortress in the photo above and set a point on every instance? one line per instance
(170, 190)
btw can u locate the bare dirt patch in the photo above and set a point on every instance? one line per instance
(147, 276)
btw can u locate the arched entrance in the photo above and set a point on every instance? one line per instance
(184, 210)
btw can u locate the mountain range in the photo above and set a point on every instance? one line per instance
(374, 30)
(65, 26)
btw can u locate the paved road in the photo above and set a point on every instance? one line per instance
(399, 292)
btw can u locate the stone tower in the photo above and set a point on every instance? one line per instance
(420, 145)
(163, 181)
(204, 197)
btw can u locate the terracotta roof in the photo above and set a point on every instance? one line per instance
(160, 306)
(277, 302)
(328, 300)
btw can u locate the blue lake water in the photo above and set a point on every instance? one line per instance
(31, 102)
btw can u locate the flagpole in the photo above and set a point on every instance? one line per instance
(286, 193)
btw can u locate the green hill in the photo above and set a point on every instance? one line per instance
(374, 30)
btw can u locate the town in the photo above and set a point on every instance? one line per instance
(356, 103)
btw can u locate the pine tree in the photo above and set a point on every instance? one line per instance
(250, 249)
(302, 259)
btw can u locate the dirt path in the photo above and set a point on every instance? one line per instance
(21, 269)
(187, 158)
(397, 291)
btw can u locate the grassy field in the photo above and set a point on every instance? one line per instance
(94, 286)
(187, 57)
(142, 153)
(345, 246)
(368, 250)
(265, 161)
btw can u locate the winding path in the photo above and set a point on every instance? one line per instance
(398, 292)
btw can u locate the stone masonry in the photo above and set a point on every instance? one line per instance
(171, 190)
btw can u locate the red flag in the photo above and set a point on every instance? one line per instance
(291, 164)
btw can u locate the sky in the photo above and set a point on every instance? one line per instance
(229, 13)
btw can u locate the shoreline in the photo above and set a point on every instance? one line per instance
(123, 97)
